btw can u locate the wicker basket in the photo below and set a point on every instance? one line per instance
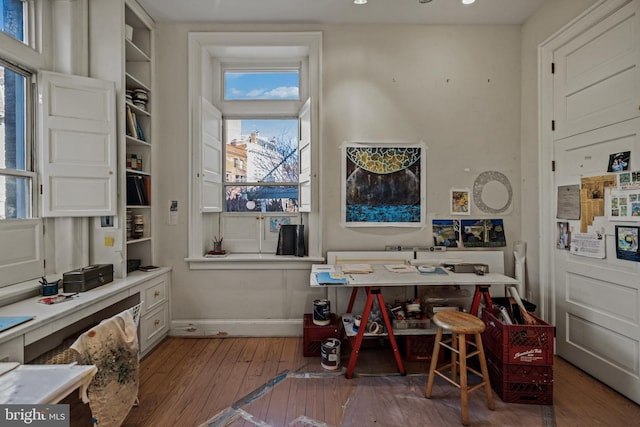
(64, 355)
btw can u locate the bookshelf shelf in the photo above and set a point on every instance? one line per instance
(138, 79)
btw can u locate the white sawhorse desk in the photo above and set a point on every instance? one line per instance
(382, 278)
(34, 384)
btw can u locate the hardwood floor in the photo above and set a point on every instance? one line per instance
(188, 381)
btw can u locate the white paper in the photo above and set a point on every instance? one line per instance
(588, 245)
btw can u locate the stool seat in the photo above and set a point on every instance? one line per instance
(459, 324)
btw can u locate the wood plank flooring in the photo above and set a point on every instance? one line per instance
(188, 381)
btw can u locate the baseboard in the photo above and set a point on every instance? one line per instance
(236, 328)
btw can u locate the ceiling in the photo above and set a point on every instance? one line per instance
(482, 12)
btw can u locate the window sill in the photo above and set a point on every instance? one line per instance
(254, 262)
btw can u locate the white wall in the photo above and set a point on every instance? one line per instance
(458, 88)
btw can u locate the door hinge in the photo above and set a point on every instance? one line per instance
(553, 165)
(553, 68)
(553, 125)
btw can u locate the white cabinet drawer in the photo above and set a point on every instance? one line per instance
(155, 292)
(12, 350)
(153, 326)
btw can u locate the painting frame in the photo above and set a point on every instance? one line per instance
(383, 184)
(628, 242)
(460, 201)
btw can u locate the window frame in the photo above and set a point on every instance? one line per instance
(209, 54)
(26, 260)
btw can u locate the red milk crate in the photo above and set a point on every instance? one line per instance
(313, 335)
(518, 344)
(418, 348)
(531, 384)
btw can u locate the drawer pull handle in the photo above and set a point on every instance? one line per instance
(156, 294)
(156, 322)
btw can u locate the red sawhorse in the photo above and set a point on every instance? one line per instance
(481, 291)
(372, 292)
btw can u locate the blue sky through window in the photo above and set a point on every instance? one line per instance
(271, 85)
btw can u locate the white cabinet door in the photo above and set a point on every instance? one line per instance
(77, 136)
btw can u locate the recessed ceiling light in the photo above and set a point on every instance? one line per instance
(359, 1)
(468, 1)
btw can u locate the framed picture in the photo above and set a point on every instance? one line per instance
(446, 232)
(563, 236)
(619, 162)
(383, 185)
(460, 202)
(627, 243)
(485, 233)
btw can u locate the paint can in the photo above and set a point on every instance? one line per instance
(330, 352)
(321, 312)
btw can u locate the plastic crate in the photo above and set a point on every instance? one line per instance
(530, 384)
(518, 344)
(313, 335)
(419, 348)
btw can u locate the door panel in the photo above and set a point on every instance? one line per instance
(596, 78)
(598, 300)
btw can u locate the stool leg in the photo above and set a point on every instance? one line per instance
(464, 398)
(485, 371)
(434, 363)
(454, 356)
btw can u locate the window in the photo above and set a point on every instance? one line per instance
(255, 99)
(269, 148)
(16, 170)
(274, 85)
(13, 20)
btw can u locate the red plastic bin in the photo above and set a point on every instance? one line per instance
(419, 348)
(313, 335)
(518, 344)
(530, 384)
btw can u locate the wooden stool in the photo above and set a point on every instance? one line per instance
(459, 324)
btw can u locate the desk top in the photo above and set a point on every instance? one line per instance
(79, 306)
(33, 384)
(382, 277)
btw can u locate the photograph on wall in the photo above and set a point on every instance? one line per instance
(446, 232)
(629, 180)
(623, 205)
(627, 243)
(460, 202)
(619, 162)
(384, 185)
(482, 233)
(563, 237)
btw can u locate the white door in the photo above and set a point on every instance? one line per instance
(77, 145)
(594, 94)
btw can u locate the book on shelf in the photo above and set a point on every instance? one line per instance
(138, 128)
(132, 129)
(148, 268)
(137, 193)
